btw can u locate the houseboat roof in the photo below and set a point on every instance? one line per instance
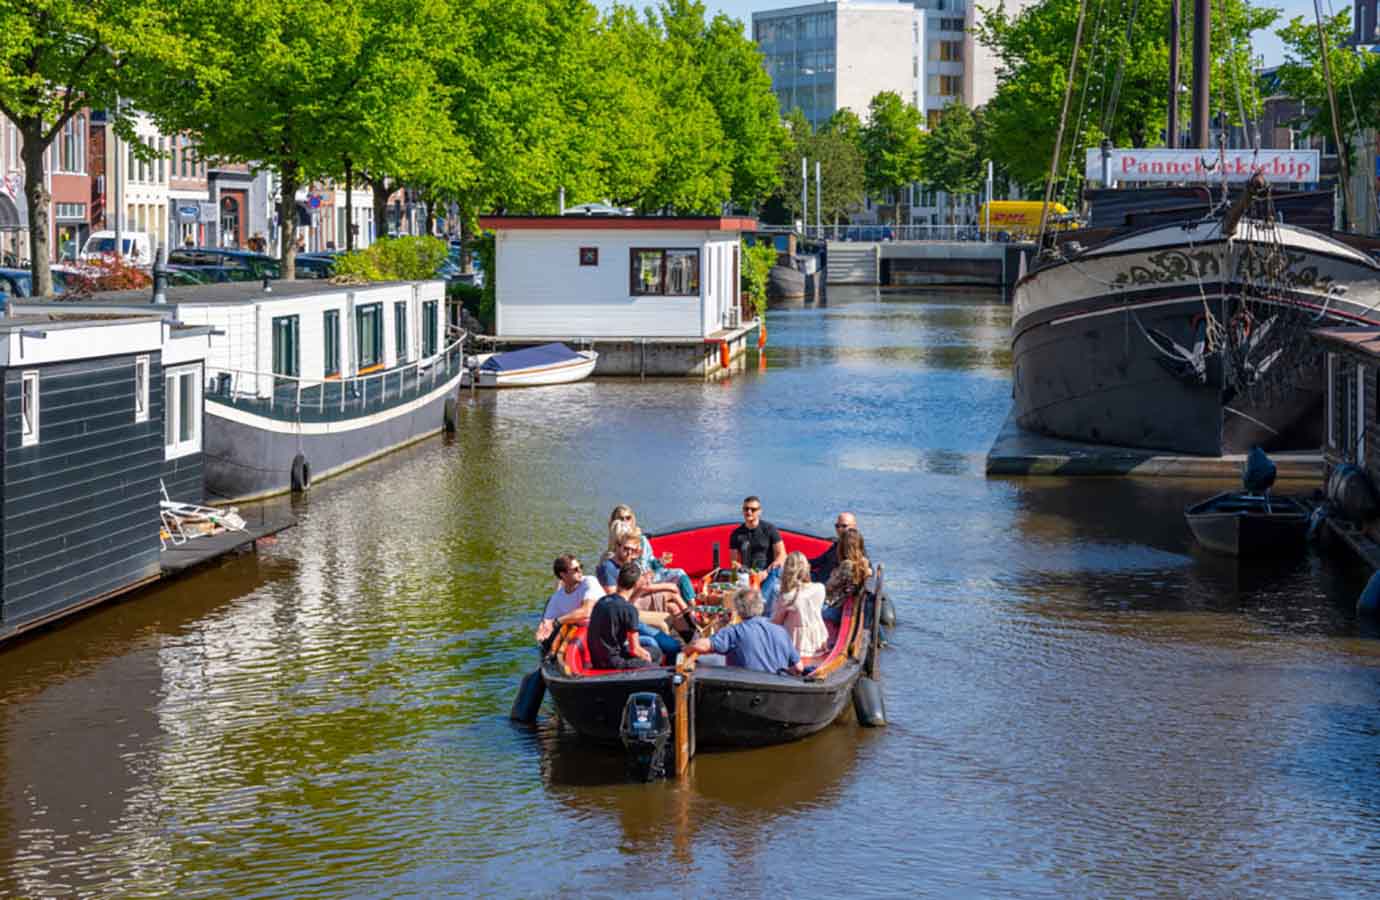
(619, 223)
(1361, 338)
(48, 321)
(218, 294)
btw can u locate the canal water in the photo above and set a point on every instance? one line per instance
(1081, 702)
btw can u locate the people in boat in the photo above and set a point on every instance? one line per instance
(757, 545)
(799, 608)
(822, 566)
(573, 598)
(626, 547)
(754, 643)
(665, 574)
(613, 632)
(848, 578)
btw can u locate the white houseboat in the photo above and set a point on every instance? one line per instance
(306, 379)
(654, 295)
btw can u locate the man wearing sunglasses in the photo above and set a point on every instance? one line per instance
(757, 545)
(822, 566)
(573, 598)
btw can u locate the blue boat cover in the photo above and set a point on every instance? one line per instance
(529, 357)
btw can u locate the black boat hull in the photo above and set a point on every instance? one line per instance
(735, 708)
(1244, 525)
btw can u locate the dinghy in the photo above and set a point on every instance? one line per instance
(1242, 524)
(530, 367)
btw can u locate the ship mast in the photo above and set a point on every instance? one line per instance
(1171, 134)
(1202, 72)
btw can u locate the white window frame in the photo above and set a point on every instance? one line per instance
(172, 410)
(29, 425)
(141, 388)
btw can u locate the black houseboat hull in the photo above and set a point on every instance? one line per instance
(1108, 347)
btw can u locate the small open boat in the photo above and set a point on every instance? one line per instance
(530, 367)
(730, 707)
(1243, 524)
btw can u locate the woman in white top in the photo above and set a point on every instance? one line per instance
(799, 606)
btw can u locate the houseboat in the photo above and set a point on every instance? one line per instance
(101, 415)
(306, 379)
(653, 295)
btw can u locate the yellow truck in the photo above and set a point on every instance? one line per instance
(1021, 218)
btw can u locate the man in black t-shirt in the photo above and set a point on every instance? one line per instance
(612, 631)
(757, 544)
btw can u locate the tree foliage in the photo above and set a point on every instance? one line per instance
(58, 57)
(835, 146)
(1355, 77)
(892, 144)
(1120, 84)
(951, 159)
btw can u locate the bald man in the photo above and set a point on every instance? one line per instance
(822, 566)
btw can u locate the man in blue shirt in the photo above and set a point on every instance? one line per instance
(754, 643)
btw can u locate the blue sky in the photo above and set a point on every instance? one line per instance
(1266, 44)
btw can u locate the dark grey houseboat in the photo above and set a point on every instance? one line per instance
(306, 379)
(99, 413)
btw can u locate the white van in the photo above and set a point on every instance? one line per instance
(134, 247)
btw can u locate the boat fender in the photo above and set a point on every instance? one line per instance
(1369, 602)
(723, 355)
(301, 474)
(888, 617)
(1351, 493)
(529, 696)
(448, 416)
(868, 702)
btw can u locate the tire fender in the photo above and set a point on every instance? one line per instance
(301, 474)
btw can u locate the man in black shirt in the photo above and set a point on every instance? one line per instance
(612, 632)
(822, 566)
(757, 544)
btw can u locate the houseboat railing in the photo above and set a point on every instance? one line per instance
(292, 399)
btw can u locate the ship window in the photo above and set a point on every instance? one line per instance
(29, 409)
(181, 411)
(429, 328)
(673, 273)
(286, 353)
(331, 327)
(369, 335)
(141, 389)
(400, 332)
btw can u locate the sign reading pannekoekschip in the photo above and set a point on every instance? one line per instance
(1279, 166)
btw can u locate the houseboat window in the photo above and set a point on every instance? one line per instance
(400, 331)
(181, 411)
(589, 256)
(369, 335)
(429, 311)
(141, 389)
(29, 409)
(286, 354)
(673, 273)
(331, 327)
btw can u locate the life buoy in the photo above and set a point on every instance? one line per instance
(301, 474)
(723, 354)
(761, 335)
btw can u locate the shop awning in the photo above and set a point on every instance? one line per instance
(11, 217)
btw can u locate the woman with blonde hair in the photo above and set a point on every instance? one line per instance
(623, 517)
(799, 607)
(848, 579)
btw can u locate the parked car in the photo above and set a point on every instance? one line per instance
(20, 282)
(317, 265)
(180, 274)
(257, 264)
(134, 246)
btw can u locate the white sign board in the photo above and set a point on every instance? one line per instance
(1161, 165)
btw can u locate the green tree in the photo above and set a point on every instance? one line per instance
(892, 144)
(58, 57)
(739, 88)
(1120, 84)
(951, 160)
(1354, 76)
(835, 145)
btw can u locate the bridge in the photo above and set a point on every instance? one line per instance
(926, 263)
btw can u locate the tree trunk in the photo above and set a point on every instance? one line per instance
(465, 237)
(430, 206)
(381, 190)
(287, 218)
(349, 204)
(38, 198)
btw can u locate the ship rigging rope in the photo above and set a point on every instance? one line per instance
(1063, 121)
(1109, 110)
(1066, 193)
(1356, 124)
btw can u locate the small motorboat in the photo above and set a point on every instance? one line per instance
(529, 367)
(722, 706)
(1246, 524)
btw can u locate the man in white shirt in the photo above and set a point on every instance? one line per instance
(572, 601)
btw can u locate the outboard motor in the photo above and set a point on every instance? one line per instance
(646, 732)
(1259, 474)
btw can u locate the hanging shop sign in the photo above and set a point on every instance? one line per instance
(1163, 165)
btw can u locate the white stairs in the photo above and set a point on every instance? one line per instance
(854, 262)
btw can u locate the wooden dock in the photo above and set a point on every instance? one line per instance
(1019, 452)
(199, 551)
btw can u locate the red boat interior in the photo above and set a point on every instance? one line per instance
(693, 551)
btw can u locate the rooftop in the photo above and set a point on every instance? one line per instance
(225, 293)
(620, 223)
(1362, 338)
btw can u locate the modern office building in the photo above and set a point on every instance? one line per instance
(1365, 30)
